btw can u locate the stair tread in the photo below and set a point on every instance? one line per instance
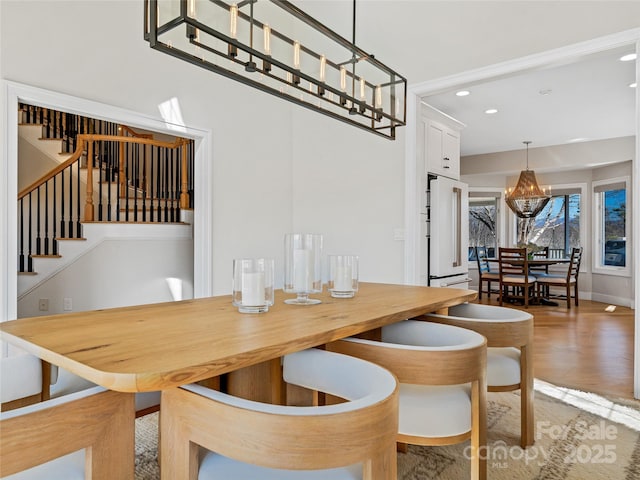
(27, 273)
(70, 238)
(45, 256)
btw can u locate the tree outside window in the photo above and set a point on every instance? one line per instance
(482, 225)
(557, 226)
(614, 227)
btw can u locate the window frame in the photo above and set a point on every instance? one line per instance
(498, 193)
(584, 218)
(598, 266)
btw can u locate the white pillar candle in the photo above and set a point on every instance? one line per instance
(253, 289)
(342, 280)
(302, 270)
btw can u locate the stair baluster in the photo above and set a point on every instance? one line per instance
(156, 173)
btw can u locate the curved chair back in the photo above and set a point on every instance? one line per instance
(442, 372)
(509, 334)
(20, 381)
(57, 435)
(361, 430)
(501, 326)
(408, 346)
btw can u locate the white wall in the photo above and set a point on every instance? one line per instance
(277, 167)
(136, 273)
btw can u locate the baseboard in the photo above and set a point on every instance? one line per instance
(610, 299)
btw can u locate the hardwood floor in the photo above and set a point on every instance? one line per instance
(586, 347)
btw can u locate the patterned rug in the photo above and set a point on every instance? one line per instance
(579, 436)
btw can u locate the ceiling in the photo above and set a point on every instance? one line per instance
(586, 100)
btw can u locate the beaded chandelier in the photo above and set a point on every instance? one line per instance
(527, 199)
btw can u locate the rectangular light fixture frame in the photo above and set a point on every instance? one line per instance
(362, 91)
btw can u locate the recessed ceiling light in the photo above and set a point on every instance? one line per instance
(628, 57)
(545, 91)
(491, 111)
(633, 85)
(462, 93)
(579, 139)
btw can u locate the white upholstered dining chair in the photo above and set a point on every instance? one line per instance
(84, 435)
(442, 375)
(509, 334)
(34, 380)
(213, 435)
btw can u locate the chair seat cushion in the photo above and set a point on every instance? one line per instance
(503, 366)
(518, 279)
(69, 467)
(67, 383)
(490, 276)
(20, 376)
(435, 411)
(218, 467)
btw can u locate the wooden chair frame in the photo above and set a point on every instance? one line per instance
(435, 367)
(571, 278)
(277, 440)
(514, 272)
(102, 423)
(484, 271)
(518, 334)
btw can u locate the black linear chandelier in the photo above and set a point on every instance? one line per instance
(274, 46)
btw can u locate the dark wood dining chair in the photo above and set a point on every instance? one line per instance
(514, 273)
(484, 271)
(543, 253)
(568, 280)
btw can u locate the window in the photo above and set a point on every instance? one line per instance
(557, 226)
(483, 220)
(612, 248)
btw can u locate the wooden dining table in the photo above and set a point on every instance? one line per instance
(165, 345)
(535, 262)
(538, 262)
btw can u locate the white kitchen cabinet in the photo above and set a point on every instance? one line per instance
(440, 143)
(442, 149)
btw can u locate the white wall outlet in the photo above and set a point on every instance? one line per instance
(398, 234)
(43, 304)
(67, 304)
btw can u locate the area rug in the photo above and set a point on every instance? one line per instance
(579, 436)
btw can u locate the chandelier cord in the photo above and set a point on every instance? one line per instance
(354, 22)
(527, 142)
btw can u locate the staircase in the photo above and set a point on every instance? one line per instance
(107, 180)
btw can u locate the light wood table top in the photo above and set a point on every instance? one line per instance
(164, 345)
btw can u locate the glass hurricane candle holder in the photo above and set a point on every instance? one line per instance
(343, 275)
(253, 284)
(302, 267)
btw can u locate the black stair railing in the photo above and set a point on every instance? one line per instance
(128, 179)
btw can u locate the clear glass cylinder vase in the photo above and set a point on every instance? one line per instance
(302, 267)
(253, 284)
